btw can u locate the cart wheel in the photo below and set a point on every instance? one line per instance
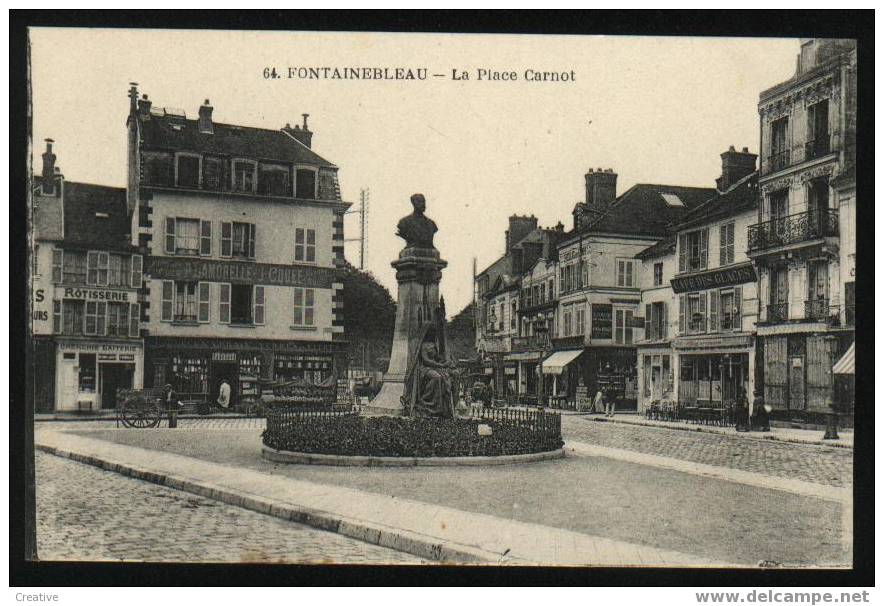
(145, 417)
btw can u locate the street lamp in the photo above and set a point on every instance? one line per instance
(832, 415)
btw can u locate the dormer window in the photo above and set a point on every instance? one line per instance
(244, 175)
(274, 179)
(187, 170)
(305, 183)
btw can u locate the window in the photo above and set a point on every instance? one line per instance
(623, 326)
(658, 274)
(241, 304)
(551, 289)
(542, 298)
(305, 245)
(779, 145)
(692, 250)
(204, 301)
(580, 320)
(213, 169)
(86, 375)
(243, 240)
(513, 315)
(185, 302)
(692, 313)
(303, 306)
(306, 184)
(136, 268)
(724, 309)
(566, 321)
(624, 272)
(134, 319)
(258, 311)
(243, 175)
(72, 317)
(584, 274)
(74, 269)
(119, 270)
(205, 238)
(818, 196)
(778, 204)
(818, 129)
(56, 316)
(95, 318)
(57, 264)
(158, 168)
(118, 319)
(97, 268)
(182, 236)
(187, 170)
(224, 303)
(726, 244)
(562, 279)
(273, 179)
(655, 321)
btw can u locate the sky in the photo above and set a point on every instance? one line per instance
(653, 109)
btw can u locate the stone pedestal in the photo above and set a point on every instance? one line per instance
(418, 271)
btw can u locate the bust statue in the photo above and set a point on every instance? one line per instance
(417, 229)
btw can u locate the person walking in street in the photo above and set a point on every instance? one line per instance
(598, 404)
(760, 410)
(610, 404)
(741, 414)
(224, 395)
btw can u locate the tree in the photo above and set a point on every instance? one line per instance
(369, 319)
(462, 333)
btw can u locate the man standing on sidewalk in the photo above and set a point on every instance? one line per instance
(224, 395)
(610, 403)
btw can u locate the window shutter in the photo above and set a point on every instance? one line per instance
(665, 321)
(137, 267)
(299, 244)
(738, 305)
(57, 264)
(168, 296)
(298, 306)
(703, 312)
(134, 319)
(90, 317)
(205, 238)
(252, 234)
(101, 318)
(258, 311)
(704, 242)
(103, 264)
(713, 311)
(92, 268)
(170, 235)
(311, 245)
(308, 306)
(682, 253)
(226, 238)
(731, 255)
(648, 335)
(203, 292)
(224, 303)
(628, 281)
(722, 245)
(681, 313)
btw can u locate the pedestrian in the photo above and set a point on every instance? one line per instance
(172, 402)
(610, 403)
(760, 413)
(598, 404)
(224, 395)
(741, 414)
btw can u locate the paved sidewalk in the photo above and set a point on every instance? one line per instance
(429, 531)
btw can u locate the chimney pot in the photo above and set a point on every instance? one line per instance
(745, 150)
(731, 148)
(49, 169)
(305, 120)
(206, 102)
(205, 118)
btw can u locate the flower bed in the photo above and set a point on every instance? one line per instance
(343, 432)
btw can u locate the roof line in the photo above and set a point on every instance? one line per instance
(292, 137)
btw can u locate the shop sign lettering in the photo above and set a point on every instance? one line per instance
(237, 272)
(94, 294)
(602, 321)
(718, 278)
(99, 347)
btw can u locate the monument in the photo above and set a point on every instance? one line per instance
(418, 335)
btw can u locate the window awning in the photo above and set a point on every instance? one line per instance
(555, 364)
(845, 366)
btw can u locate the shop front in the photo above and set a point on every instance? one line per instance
(613, 369)
(196, 367)
(656, 376)
(561, 375)
(89, 372)
(714, 372)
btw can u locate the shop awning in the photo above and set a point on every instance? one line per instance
(845, 366)
(556, 363)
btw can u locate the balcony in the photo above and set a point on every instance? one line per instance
(815, 310)
(779, 160)
(793, 229)
(777, 313)
(817, 148)
(531, 343)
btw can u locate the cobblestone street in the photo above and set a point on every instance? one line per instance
(818, 464)
(84, 513)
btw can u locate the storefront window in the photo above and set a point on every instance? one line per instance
(87, 373)
(190, 374)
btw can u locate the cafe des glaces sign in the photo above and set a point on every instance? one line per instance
(716, 278)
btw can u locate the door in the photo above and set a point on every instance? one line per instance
(223, 370)
(69, 381)
(114, 377)
(776, 372)
(656, 384)
(820, 383)
(796, 383)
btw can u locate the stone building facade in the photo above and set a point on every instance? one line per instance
(242, 229)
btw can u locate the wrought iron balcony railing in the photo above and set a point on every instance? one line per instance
(817, 309)
(818, 147)
(793, 229)
(777, 313)
(533, 342)
(779, 160)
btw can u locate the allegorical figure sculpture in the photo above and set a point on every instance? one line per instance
(417, 229)
(428, 384)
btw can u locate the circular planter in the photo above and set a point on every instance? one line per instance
(306, 458)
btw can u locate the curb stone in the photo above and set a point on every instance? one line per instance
(392, 538)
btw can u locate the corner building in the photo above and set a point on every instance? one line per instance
(243, 233)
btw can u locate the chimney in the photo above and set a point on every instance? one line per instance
(601, 189)
(133, 98)
(144, 105)
(302, 134)
(519, 227)
(205, 119)
(734, 166)
(49, 169)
